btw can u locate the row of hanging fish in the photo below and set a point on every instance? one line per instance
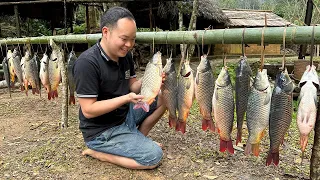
(255, 100)
(29, 70)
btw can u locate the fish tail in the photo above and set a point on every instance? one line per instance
(239, 136)
(172, 122)
(226, 145)
(181, 126)
(255, 149)
(143, 105)
(49, 95)
(303, 142)
(55, 92)
(72, 100)
(273, 157)
(208, 124)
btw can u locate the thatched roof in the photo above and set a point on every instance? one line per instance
(253, 18)
(210, 10)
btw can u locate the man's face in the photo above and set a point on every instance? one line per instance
(121, 38)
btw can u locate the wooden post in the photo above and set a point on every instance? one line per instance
(151, 26)
(318, 50)
(17, 18)
(87, 19)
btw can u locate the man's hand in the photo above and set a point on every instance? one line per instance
(134, 98)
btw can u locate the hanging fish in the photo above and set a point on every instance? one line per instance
(307, 104)
(71, 84)
(31, 73)
(44, 73)
(10, 65)
(151, 82)
(54, 69)
(16, 60)
(223, 109)
(169, 91)
(204, 87)
(6, 72)
(185, 95)
(243, 85)
(258, 111)
(280, 114)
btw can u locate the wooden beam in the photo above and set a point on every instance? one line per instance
(17, 18)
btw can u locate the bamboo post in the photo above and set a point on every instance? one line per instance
(272, 35)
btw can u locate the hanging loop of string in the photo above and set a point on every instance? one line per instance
(224, 55)
(284, 48)
(312, 47)
(243, 44)
(262, 49)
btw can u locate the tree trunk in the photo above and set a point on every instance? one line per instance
(17, 18)
(192, 25)
(87, 20)
(315, 157)
(180, 21)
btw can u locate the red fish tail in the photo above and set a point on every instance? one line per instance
(172, 122)
(143, 105)
(181, 126)
(208, 124)
(49, 95)
(55, 92)
(226, 145)
(72, 100)
(273, 157)
(33, 90)
(239, 136)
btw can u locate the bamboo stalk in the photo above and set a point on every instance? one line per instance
(272, 35)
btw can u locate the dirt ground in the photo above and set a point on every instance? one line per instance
(33, 146)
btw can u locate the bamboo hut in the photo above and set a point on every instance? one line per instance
(239, 18)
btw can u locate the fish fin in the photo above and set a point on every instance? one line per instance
(72, 100)
(255, 149)
(197, 78)
(303, 142)
(181, 126)
(208, 124)
(277, 90)
(226, 145)
(172, 122)
(216, 95)
(273, 157)
(143, 105)
(268, 97)
(239, 136)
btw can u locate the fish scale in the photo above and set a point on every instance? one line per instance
(280, 114)
(243, 81)
(185, 96)
(17, 67)
(204, 87)
(151, 82)
(258, 112)
(169, 91)
(223, 109)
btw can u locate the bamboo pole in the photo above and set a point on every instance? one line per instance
(272, 35)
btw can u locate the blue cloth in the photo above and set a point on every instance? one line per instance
(127, 141)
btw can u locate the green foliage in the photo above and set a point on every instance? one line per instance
(79, 29)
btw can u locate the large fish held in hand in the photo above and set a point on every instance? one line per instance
(223, 109)
(185, 95)
(169, 91)
(243, 85)
(71, 84)
(258, 111)
(151, 82)
(307, 104)
(204, 87)
(280, 114)
(54, 69)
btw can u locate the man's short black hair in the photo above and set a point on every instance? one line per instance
(111, 17)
